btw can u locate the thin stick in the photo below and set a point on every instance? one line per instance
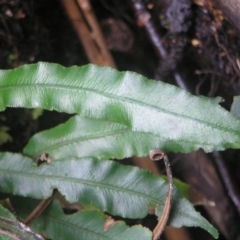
(144, 19)
(156, 155)
(231, 188)
(37, 211)
(96, 32)
(88, 31)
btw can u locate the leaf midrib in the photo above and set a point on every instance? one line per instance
(83, 138)
(121, 99)
(99, 136)
(76, 181)
(72, 226)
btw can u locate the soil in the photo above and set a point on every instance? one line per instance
(202, 46)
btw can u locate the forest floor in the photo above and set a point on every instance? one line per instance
(187, 43)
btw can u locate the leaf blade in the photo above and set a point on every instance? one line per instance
(83, 137)
(88, 224)
(12, 228)
(127, 98)
(235, 108)
(120, 190)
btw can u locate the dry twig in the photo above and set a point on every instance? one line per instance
(38, 210)
(156, 155)
(88, 30)
(232, 190)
